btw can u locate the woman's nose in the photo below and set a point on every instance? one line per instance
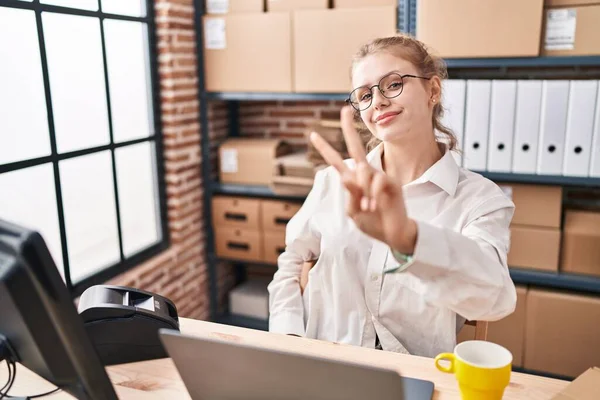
(379, 100)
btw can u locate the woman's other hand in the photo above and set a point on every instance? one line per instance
(376, 203)
(306, 267)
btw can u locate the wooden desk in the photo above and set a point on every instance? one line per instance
(158, 379)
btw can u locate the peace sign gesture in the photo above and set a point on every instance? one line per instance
(376, 203)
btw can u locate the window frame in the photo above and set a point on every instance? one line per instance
(125, 263)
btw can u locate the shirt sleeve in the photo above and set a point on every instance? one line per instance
(467, 271)
(303, 243)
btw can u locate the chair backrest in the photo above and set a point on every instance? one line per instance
(481, 328)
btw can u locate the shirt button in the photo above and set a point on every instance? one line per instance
(374, 277)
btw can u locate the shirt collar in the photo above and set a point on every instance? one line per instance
(444, 173)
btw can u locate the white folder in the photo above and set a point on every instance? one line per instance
(454, 93)
(553, 124)
(527, 127)
(595, 164)
(477, 121)
(580, 126)
(502, 123)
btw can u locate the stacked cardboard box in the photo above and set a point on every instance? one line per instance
(580, 252)
(571, 28)
(291, 5)
(264, 46)
(250, 229)
(561, 332)
(471, 28)
(535, 228)
(250, 161)
(294, 175)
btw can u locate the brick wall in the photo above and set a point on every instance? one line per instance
(179, 273)
(284, 119)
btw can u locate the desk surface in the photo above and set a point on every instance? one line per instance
(158, 379)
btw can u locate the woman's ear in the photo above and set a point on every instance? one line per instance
(435, 89)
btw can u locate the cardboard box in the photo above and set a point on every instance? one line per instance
(238, 244)
(291, 186)
(561, 332)
(532, 247)
(581, 243)
(567, 3)
(236, 212)
(273, 246)
(325, 42)
(585, 387)
(363, 3)
(572, 31)
(276, 214)
(248, 52)
(216, 7)
(250, 299)
(250, 161)
(508, 332)
(296, 164)
(535, 205)
(474, 28)
(291, 5)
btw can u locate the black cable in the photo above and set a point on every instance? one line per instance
(12, 375)
(8, 385)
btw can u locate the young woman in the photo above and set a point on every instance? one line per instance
(408, 243)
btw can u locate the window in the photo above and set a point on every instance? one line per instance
(80, 148)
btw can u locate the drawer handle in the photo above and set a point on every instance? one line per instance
(238, 246)
(281, 221)
(236, 216)
(280, 250)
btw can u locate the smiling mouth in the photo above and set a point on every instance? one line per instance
(387, 117)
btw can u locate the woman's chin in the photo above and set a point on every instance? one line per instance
(390, 135)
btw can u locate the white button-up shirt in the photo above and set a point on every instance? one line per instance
(458, 269)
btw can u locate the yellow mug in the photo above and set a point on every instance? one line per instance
(482, 369)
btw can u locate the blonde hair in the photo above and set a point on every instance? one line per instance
(428, 64)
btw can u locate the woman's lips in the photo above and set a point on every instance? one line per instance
(386, 118)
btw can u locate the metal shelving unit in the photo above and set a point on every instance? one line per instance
(490, 68)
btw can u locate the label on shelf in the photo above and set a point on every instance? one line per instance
(560, 29)
(229, 161)
(217, 6)
(214, 34)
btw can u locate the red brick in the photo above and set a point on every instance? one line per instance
(292, 114)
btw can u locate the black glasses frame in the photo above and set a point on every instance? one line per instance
(378, 86)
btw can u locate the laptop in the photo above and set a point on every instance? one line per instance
(217, 369)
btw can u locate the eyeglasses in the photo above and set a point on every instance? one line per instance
(390, 86)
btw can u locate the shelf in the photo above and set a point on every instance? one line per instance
(243, 322)
(524, 62)
(541, 179)
(260, 96)
(579, 283)
(249, 190)
(570, 181)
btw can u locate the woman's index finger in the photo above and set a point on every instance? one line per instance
(353, 141)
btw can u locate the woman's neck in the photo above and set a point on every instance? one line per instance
(405, 162)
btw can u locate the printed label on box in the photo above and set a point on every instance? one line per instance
(508, 191)
(217, 6)
(229, 161)
(214, 34)
(560, 29)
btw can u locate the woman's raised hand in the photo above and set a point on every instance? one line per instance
(376, 203)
